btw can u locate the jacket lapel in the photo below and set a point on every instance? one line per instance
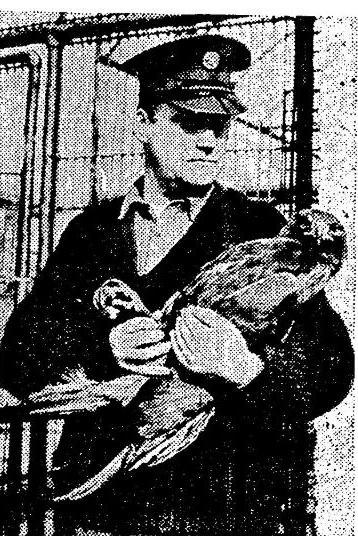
(204, 240)
(112, 243)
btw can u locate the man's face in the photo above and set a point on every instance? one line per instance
(185, 147)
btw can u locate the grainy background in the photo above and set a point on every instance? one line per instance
(334, 175)
(336, 57)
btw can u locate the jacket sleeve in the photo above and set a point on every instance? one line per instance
(304, 376)
(56, 328)
(307, 374)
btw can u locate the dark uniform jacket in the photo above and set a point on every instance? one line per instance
(248, 472)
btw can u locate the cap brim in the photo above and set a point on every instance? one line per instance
(211, 104)
(141, 56)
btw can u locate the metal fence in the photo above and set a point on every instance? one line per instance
(85, 118)
(97, 154)
(70, 136)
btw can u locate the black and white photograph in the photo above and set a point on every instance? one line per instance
(177, 273)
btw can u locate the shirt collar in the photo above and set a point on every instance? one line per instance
(134, 200)
(131, 198)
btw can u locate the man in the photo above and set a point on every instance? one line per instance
(247, 473)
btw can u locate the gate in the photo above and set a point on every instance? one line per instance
(19, 79)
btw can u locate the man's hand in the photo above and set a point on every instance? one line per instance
(139, 345)
(206, 343)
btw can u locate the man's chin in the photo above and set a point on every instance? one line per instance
(197, 185)
(200, 179)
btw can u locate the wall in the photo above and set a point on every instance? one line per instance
(336, 178)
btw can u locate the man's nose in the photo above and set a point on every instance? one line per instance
(206, 142)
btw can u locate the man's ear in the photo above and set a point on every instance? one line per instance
(141, 125)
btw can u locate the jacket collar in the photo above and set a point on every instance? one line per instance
(135, 200)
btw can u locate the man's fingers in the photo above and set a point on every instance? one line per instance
(127, 335)
(181, 350)
(205, 318)
(146, 354)
(152, 369)
(202, 314)
(195, 336)
(140, 323)
(146, 337)
(137, 323)
(177, 347)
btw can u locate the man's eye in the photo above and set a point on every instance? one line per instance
(191, 128)
(189, 125)
(220, 129)
(200, 124)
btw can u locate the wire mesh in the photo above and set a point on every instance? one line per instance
(98, 154)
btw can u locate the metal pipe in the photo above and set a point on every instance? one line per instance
(50, 143)
(95, 131)
(28, 175)
(32, 62)
(303, 92)
(95, 25)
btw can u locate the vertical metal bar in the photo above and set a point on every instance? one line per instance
(95, 130)
(37, 473)
(292, 169)
(14, 475)
(284, 143)
(39, 514)
(27, 177)
(303, 92)
(51, 127)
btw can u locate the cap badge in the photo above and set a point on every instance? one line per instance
(211, 60)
